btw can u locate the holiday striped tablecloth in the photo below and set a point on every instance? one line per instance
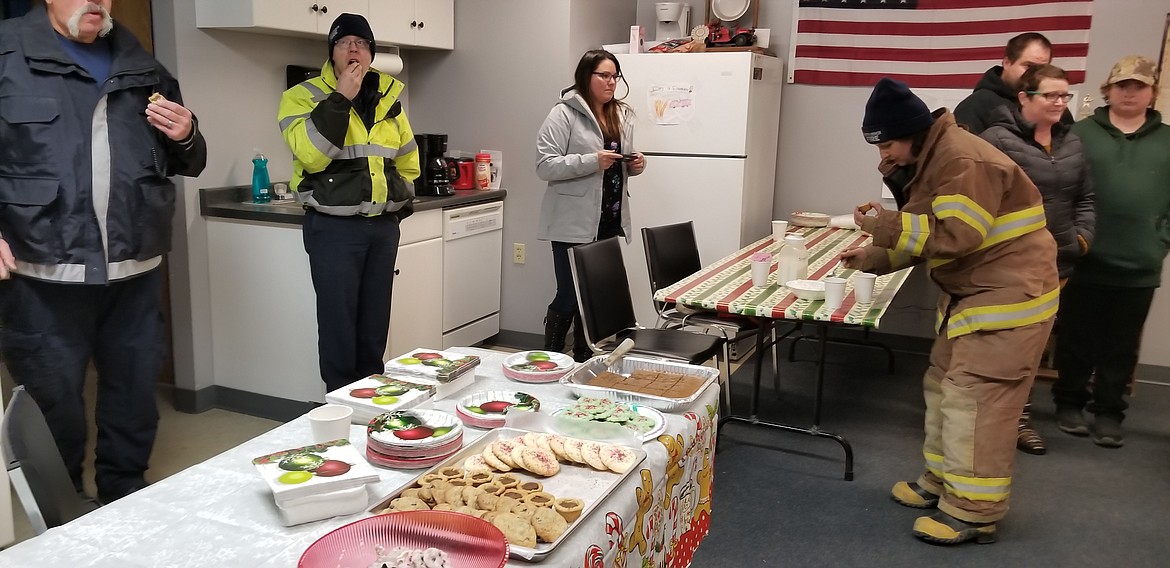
(726, 285)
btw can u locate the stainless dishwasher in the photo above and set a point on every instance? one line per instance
(473, 248)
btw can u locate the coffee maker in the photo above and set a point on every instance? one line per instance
(435, 178)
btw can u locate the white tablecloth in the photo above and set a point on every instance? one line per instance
(219, 513)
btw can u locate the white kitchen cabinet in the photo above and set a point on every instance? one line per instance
(423, 23)
(420, 23)
(416, 307)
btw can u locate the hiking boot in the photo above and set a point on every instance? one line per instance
(1071, 420)
(911, 494)
(1107, 432)
(1028, 440)
(941, 528)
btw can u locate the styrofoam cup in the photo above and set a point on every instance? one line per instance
(778, 230)
(863, 286)
(330, 422)
(834, 292)
(760, 270)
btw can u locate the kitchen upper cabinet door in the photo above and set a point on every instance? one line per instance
(393, 21)
(283, 17)
(416, 306)
(330, 9)
(436, 23)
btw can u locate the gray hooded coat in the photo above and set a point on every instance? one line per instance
(566, 150)
(1061, 176)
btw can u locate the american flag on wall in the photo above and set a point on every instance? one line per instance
(928, 43)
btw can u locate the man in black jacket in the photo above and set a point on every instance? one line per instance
(91, 126)
(999, 84)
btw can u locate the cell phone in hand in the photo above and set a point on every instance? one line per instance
(629, 157)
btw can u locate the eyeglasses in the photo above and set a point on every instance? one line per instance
(359, 43)
(1053, 97)
(607, 77)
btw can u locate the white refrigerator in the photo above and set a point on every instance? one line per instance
(708, 124)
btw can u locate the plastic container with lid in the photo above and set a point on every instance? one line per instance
(483, 171)
(792, 263)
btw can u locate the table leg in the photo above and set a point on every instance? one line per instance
(815, 430)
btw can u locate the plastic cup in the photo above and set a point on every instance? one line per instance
(834, 292)
(778, 230)
(863, 286)
(330, 422)
(760, 271)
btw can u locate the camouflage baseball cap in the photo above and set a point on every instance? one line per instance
(1133, 67)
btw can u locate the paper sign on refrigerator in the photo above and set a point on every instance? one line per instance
(673, 103)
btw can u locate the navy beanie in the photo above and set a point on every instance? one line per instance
(350, 25)
(893, 112)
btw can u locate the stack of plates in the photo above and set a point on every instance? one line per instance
(379, 394)
(537, 366)
(488, 409)
(413, 439)
(809, 219)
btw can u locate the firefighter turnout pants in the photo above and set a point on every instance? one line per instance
(975, 389)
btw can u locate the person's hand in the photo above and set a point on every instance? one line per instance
(638, 164)
(852, 258)
(170, 118)
(605, 159)
(349, 80)
(860, 211)
(7, 261)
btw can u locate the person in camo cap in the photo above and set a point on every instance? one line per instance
(1108, 297)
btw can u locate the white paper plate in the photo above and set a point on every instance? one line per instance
(730, 10)
(517, 367)
(656, 430)
(383, 433)
(807, 289)
(807, 219)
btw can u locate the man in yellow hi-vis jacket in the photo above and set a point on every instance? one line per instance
(354, 157)
(973, 215)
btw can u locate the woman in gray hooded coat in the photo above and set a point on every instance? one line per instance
(1054, 159)
(580, 152)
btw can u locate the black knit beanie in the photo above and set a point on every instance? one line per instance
(350, 25)
(893, 112)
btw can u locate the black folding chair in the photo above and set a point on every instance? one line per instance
(672, 253)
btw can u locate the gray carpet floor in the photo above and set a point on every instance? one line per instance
(780, 499)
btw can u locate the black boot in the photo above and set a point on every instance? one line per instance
(556, 326)
(581, 350)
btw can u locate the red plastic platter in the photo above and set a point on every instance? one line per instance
(468, 541)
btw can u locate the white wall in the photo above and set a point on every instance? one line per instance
(494, 91)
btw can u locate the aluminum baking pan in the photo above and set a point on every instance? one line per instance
(577, 380)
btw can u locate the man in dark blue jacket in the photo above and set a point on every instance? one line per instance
(91, 126)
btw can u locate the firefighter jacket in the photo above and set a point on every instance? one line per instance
(978, 221)
(84, 194)
(341, 167)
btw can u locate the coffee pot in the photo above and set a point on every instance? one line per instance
(435, 178)
(462, 172)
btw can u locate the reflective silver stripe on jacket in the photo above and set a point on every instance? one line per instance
(365, 208)
(76, 272)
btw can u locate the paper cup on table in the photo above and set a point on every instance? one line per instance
(834, 292)
(779, 228)
(863, 286)
(761, 267)
(330, 422)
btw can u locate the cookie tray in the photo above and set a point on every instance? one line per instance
(583, 482)
(578, 380)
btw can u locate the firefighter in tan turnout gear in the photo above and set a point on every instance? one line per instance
(973, 215)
